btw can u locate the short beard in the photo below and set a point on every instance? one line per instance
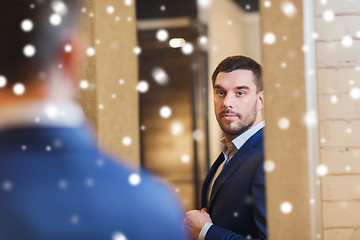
(240, 129)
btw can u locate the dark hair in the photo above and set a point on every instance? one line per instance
(47, 39)
(233, 63)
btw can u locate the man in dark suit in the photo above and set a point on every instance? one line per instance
(54, 182)
(233, 193)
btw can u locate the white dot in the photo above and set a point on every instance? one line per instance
(162, 35)
(310, 118)
(7, 185)
(198, 135)
(277, 85)
(348, 130)
(323, 2)
(91, 15)
(322, 170)
(328, 15)
(288, 9)
(110, 9)
(83, 10)
(177, 190)
(134, 179)
(312, 201)
(284, 38)
(187, 49)
(23, 147)
(323, 140)
(62, 184)
(51, 111)
(48, 148)
(19, 89)
(355, 93)
(27, 25)
(84, 84)
(118, 236)
(185, 158)
(165, 112)
(318, 236)
(32, 6)
(59, 7)
(68, 48)
(90, 51)
(128, 2)
(358, 34)
(113, 95)
(74, 219)
(203, 40)
(117, 18)
(347, 41)
(351, 82)
(137, 50)
(204, 3)
(160, 76)
(162, 7)
(126, 141)
(3, 81)
(229, 22)
(121, 81)
(89, 182)
(235, 214)
(142, 86)
(305, 48)
(247, 7)
(55, 19)
(177, 128)
(267, 4)
(283, 64)
(315, 35)
(97, 41)
(269, 166)
(128, 19)
(29, 50)
(286, 207)
(334, 99)
(348, 168)
(283, 123)
(269, 38)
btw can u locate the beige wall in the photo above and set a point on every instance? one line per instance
(285, 144)
(338, 73)
(111, 107)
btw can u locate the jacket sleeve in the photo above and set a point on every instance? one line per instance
(258, 195)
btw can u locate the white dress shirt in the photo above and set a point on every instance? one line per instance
(42, 113)
(229, 152)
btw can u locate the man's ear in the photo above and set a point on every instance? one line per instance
(70, 56)
(260, 99)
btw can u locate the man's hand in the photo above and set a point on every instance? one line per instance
(195, 220)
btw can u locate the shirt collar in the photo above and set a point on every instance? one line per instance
(42, 113)
(242, 138)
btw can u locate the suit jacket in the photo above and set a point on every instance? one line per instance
(54, 184)
(237, 201)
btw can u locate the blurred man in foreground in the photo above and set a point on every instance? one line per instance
(55, 184)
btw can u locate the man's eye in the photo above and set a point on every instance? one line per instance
(240, 93)
(220, 93)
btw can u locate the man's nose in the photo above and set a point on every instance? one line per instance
(228, 101)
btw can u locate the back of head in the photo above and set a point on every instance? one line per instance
(32, 34)
(238, 62)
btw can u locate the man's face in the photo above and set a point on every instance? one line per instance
(237, 105)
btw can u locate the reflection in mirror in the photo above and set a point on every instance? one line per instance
(181, 43)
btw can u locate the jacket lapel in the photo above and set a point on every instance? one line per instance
(236, 162)
(207, 181)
